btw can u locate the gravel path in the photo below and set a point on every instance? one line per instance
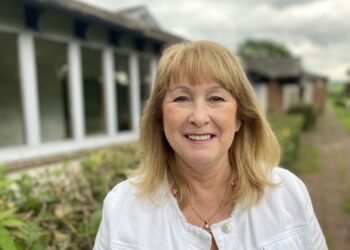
(331, 185)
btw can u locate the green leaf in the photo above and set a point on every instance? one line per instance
(20, 246)
(38, 246)
(7, 213)
(12, 223)
(5, 183)
(20, 235)
(6, 241)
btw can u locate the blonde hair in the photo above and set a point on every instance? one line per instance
(254, 150)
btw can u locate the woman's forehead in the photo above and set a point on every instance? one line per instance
(192, 78)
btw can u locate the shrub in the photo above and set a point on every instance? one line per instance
(339, 102)
(287, 129)
(309, 113)
(15, 231)
(61, 208)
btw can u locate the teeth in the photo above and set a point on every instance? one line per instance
(199, 137)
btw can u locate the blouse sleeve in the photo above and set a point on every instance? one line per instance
(103, 235)
(316, 234)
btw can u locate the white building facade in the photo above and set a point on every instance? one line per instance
(71, 80)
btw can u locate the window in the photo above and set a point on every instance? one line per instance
(93, 91)
(52, 72)
(11, 116)
(145, 80)
(122, 81)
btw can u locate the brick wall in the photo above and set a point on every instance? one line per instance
(274, 98)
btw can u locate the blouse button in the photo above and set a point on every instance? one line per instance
(226, 227)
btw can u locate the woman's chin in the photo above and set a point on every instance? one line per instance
(199, 160)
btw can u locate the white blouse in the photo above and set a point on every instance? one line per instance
(284, 219)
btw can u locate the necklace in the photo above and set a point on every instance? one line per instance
(206, 225)
(206, 222)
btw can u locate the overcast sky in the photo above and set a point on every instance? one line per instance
(318, 31)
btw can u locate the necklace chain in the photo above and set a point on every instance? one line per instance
(206, 222)
(206, 225)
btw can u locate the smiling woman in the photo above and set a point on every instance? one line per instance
(208, 177)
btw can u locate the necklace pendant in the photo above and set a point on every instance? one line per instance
(206, 227)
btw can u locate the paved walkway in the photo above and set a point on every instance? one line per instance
(331, 186)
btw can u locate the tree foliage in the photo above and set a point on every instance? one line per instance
(250, 49)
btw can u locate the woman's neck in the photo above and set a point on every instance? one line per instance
(206, 181)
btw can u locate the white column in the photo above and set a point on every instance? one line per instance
(135, 90)
(29, 88)
(154, 63)
(109, 91)
(76, 90)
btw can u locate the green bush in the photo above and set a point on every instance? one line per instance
(309, 113)
(339, 102)
(287, 129)
(61, 209)
(15, 230)
(343, 115)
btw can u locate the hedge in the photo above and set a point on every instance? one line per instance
(288, 130)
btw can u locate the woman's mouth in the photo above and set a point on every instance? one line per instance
(204, 137)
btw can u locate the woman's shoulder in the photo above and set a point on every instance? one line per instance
(290, 191)
(288, 181)
(282, 173)
(121, 193)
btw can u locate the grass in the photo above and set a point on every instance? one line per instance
(340, 102)
(339, 162)
(346, 205)
(308, 160)
(343, 116)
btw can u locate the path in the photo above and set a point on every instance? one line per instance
(331, 186)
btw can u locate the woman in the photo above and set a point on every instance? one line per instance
(207, 179)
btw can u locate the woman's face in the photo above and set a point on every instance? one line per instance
(200, 122)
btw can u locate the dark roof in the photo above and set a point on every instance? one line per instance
(113, 20)
(314, 77)
(140, 13)
(274, 68)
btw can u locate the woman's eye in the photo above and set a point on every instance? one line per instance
(216, 99)
(181, 99)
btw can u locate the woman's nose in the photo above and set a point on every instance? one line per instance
(199, 114)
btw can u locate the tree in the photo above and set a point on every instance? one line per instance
(262, 49)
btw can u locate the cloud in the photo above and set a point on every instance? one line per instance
(315, 30)
(279, 4)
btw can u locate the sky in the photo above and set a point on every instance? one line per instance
(317, 31)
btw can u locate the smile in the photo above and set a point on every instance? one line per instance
(199, 137)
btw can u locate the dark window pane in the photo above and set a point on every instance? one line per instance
(145, 80)
(122, 81)
(93, 91)
(11, 119)
(55, 115)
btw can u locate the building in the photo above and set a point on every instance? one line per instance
(314, 90)
(281, 83)
(72, 77)
(276, 82)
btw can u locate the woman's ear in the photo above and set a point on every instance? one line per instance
(238, 124)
